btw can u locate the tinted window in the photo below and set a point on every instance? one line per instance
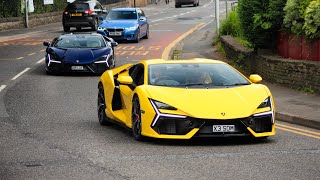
(118, 15)
(79, 41)
(194, 75)
(78, 6)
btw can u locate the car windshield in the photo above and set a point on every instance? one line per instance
(195, 75)
(79, 41)
(121, 15)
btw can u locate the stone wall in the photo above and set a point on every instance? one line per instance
(299, 74)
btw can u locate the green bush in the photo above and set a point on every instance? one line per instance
(312, 20)
(11, 8)
(8, 8)
(260, 20)
(294, 15)
(231, 25)
(39, 7)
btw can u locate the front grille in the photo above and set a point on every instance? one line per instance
(259, 124)
(114, 30)
(178, 126)
(262, 124)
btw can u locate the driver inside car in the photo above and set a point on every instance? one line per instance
(160, 77)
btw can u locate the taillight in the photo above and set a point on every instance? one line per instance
(66, 12)
(88, 11)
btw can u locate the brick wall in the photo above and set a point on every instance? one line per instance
(292, 73)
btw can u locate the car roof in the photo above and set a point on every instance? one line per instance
(81, 34)
(195, 60)
(124, 9)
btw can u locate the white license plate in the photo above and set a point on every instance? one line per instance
(224, 128)
(77, 68)
(115, 33)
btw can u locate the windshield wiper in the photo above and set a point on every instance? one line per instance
(193, 84)
(237, 84)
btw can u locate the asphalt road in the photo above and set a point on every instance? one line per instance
(49, 127)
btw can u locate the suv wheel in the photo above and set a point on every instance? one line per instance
(95, 26)
(66, 28)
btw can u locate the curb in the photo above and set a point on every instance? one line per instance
(167, 51)
(285, 117)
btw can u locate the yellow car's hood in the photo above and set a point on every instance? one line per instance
(216, 103)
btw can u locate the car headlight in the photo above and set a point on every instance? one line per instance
(265, 103)
(52, 59)
(131, 28)
(103, 59)
(101, 28)
(161, 105)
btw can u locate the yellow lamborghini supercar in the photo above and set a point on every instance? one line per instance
(182, 99)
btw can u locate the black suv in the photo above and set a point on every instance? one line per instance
(82, 14)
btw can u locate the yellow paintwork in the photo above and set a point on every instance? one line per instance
(197, 103)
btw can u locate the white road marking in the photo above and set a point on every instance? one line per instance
(18, 75)
(31, 54)
(20, 58)
(40, 61)
(2, 87)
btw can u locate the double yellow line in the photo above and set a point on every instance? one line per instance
(295, 130)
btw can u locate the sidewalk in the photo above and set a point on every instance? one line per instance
(291, 105)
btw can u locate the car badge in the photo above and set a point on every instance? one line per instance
(77, 61)
(223, 114)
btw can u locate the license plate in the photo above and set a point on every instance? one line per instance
(115, 33)
(76, 14)
(223, 128)
(77, 68)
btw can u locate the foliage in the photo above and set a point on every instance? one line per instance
(39, 7)
(244, 42)
(231, 25)
(8, 8)
(312, 20)
(294, 15)
(260, 20)
(11, 8)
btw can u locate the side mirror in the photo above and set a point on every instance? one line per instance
(46, 43)
(126, 80)
(104, 11)
(101, 18)
(114, 44)
(255, 78)
(143, 19)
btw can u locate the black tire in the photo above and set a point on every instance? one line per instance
(137, 36)
(177, 6)
(66, 28)
(101, 106)
(78, 28)
(147, 34)
(195, 5)
(198, 3)
(95, 26)
(136, 120)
